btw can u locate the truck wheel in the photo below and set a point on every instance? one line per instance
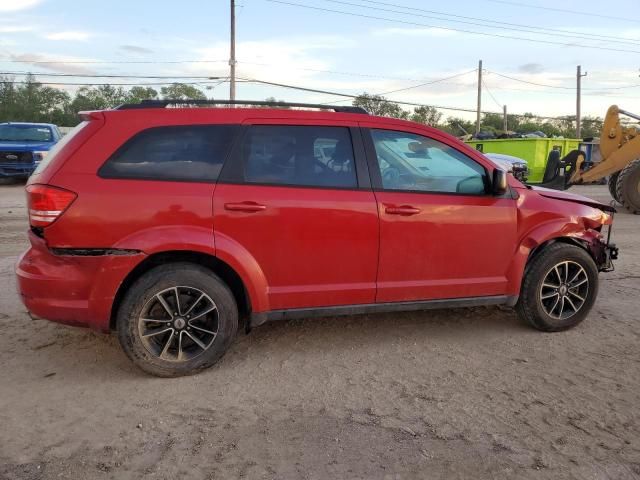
(559, 288)
(613, 182)
(628, 187)
(177, 319)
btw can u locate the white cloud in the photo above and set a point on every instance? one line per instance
(15, 29)
(53, 63)
(69, 35)
(15, 5)
(287, 61)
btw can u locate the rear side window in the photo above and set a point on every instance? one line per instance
(187, 153)
(300, 156)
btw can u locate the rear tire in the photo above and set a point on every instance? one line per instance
(628, 187)
(559, 288)
(177, 319)
(612, 183)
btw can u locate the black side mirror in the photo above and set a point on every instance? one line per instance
(499, 184)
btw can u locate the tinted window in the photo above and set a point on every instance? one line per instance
(25, 133)
(414, 162)
(194, 153)
(299, 155)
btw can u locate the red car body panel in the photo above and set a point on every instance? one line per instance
(292, 247)
(314, 246)
(444, 251)
(75, 290)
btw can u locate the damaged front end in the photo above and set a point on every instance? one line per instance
(603, 251)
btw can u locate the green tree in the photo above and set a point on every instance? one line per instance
(137, 94)
(378, 105)
(98, 98)
(457, 126)
(427, 115)
(30, 101)
(181, 91)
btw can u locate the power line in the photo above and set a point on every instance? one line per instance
(491, 94)
(208, 77)
(589, 35)
(428, 83)
(486, 34)
(501, 25)
(398, 102)
(575, 12)
(293, 87)
(109, 62)
(84, 84)
(77, 75)
(417, 86)
(559, 86)
(336, 72)
(333, 72)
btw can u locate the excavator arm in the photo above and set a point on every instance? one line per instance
(619, 146)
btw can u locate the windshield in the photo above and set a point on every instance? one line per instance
(25, 133)
(58, 147)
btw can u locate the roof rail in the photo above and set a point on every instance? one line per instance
(262, 103)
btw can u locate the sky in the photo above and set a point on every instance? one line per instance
(409, 50)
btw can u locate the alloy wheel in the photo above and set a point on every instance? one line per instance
(564, 290)
(178, 324)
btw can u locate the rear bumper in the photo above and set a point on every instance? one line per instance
(16, 170)
(70, 289)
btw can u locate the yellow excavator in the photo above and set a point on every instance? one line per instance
(620, 152)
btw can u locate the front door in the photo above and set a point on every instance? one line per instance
(294, 202)
(442, 235)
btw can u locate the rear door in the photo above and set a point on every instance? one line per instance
(442, 235)
(298, 200)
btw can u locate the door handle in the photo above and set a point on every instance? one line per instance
(402, 210)
(249, 207)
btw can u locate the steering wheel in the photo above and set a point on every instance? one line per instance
(390, 176)
(323, 166)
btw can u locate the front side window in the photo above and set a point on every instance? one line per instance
(299, 155)
(188, 153)
(416, 163)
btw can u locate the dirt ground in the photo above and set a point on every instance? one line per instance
(470, 393)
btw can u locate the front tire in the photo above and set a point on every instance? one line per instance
(612, 183)
(628, 187)
(559, 288)
(177, 319)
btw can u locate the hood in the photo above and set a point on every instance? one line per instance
(572, 197)
(25, 146)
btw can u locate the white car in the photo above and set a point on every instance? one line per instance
(515, 165)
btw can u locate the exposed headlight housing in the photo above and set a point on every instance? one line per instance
(39, 155)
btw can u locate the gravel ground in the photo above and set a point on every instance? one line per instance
(470, 393)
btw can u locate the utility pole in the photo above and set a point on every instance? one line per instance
(478, 115)
(579, 76)
(232, 58)
(504, 119)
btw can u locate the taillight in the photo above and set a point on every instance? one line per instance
(47, 203)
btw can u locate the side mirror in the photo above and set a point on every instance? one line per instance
(499, 184)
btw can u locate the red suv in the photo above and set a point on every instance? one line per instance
(168, 225)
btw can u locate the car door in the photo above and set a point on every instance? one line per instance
(442, 235)
(298, 200)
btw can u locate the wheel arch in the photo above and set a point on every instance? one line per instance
(538, 240)
(213, 263)
(584, 244)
